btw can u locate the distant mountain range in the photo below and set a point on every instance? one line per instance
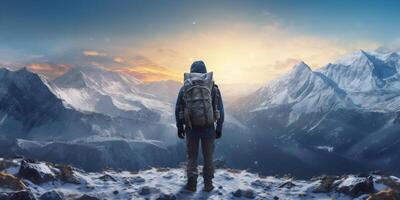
(341, 118)
(349, 108)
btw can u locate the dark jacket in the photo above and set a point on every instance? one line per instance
(200, 67)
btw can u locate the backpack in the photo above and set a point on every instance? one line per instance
(199, 111)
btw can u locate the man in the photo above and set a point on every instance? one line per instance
(199, 116)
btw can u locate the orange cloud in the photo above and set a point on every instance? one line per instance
(148, 73)
(93, 53)
(49, 69)
(119, 60)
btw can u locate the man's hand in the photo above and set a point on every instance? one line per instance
(181, 134)
(218, 134)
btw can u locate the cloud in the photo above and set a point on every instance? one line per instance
(237, 53)
(247, 53)
(51, 70)
(93, 53)
(144, 69)
(119, 60)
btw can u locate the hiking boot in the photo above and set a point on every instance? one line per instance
(208, 186)
(191, 185)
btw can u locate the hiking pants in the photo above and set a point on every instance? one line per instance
(207, 147)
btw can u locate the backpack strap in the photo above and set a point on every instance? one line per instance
(216, 102)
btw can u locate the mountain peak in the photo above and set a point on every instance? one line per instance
(358, 58)
(301, 67)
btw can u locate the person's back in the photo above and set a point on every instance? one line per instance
(198, 108)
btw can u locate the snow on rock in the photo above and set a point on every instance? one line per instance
(168, 183)
(36, 172)
(356, 186)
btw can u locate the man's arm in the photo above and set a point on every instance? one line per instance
(178, 107)
(220, 105)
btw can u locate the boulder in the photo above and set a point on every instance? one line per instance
(67, 174)
(237, 193)
(11, 182)
(287, 184)
(107, 177)
(356, 186)
(145, 190)
(388, 194)
(36, 172)
(325, 184)
(260, 184)
(390, 182)
(20, 195)
(51, 195)
(249, 193)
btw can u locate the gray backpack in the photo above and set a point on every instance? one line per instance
(199, 110)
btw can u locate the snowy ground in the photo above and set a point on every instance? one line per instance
(167, 183)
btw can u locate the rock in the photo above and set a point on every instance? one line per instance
(137, 179)
(287, 184)
(67, 174)
(259, 184)
(325, 184)
(116, 192)
(145, 190)
(11, 182)
(162, 169)
(51, 195)
(36, 172)
(87, 197)
(237, 193)
(390, 182)
(249, 193)
(356, 186)
(107, 177)
(21, 195)
(388, 194)
(164, 196)
(276, 198)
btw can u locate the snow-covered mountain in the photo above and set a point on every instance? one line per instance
(30, 180)
(36, 123)
(30, 107)
(95, 89)
(306, 91)
(371, 80)
(349, 107)
(166, 91)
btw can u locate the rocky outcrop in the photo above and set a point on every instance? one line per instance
(36, 172)
(11, 182)
(325, 184)
(168, 184)
(67, 174)
(51, 195)
(20, 195)
(388, 194)
(356, 186)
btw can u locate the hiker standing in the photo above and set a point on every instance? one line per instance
(199, 116)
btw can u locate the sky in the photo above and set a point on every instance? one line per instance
(241, 41)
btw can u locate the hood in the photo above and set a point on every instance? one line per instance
(198, 67)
